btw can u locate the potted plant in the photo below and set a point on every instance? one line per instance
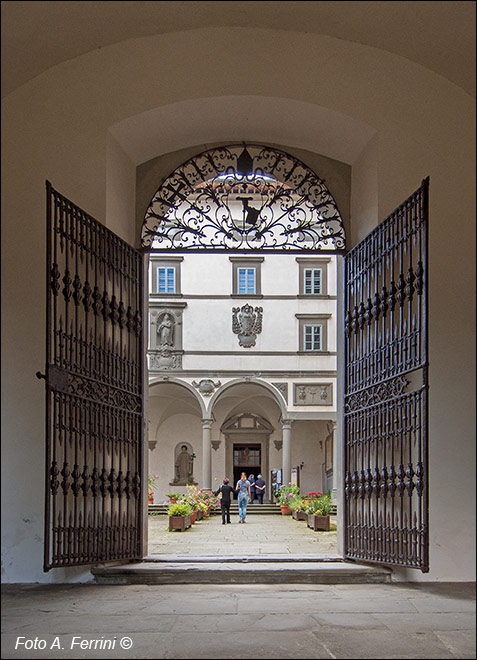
(298, 507)
(312, 496)
(151, 482)
(207, 498)
(319, 513)
(286, 495)
(173, 497)
(179, 516)
(193, 500)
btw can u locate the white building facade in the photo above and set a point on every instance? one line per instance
(242, 368)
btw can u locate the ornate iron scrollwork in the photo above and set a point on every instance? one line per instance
(251, 198)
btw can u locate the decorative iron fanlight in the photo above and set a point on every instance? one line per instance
(243, 198)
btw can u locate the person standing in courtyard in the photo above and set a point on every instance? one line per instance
(225, 491)
(260, 488)
(243, 487)
(251, 478)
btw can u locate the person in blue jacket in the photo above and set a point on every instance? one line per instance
(251, 479)
(243, 487)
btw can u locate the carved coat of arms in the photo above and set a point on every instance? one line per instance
(247, 324)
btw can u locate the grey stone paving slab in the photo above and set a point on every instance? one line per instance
(347, 643)
(346, 620)
(240, 645)
(378, 604)
(429, 620)
(459, 642)
(439, 604)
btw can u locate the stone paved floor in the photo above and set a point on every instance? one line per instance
(260, 535)
(298, 621)
(230, 621)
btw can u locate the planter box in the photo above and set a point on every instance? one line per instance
(299, 515)
(181, 523)
(318, 523)
(200, 514)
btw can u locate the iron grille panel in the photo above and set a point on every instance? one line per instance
(94, 391)
(386, 391)
(247, 198)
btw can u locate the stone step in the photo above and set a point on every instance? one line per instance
(268, 509)
(251, 570)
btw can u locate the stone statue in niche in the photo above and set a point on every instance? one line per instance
(184, 466)
(165, 330)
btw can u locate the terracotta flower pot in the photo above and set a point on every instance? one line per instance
(285, 509)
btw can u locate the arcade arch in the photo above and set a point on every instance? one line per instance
(244, 418)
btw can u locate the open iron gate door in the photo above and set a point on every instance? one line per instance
(386, 390)
(94, 391)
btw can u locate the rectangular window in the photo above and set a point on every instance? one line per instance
(313, 337)
(246, 280)
(312, 281)
(166, 280)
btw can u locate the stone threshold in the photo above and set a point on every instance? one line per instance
(243, 570)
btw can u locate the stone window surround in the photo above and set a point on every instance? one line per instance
(303, 264)
(164, 261)
(246, 262)
(312, 319)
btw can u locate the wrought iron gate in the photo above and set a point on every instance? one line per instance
(386, 473)
(94, 391)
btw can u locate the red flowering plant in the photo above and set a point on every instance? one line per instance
(320, 506)
(151, 481)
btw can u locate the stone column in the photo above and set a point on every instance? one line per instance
(286, 450)
(206, 453)
(334, 492)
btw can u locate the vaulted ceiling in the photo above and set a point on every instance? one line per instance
(38, 35)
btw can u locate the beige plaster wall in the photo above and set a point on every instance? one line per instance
(56, 127)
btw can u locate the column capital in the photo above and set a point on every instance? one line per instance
(207, 423)
(286, 423)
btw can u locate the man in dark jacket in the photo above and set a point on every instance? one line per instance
(260, 488)
(226, 490)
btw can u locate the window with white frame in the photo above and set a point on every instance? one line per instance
(166, 279)
(246, 275)
(313, 332)
(165, 276)
(313, 336)
(313, 278)
(246, 281)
